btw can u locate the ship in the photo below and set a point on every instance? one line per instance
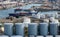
(22, 12)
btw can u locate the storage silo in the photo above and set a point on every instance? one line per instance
(43, 29)
(4, 36)
(32, 29)
(53, 28)
(8, 29)
(19, 29)
(16, 36)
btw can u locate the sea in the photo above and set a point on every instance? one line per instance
(5, 13)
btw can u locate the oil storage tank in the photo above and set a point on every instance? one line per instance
(43, 29)
(19, 29)
(32, 29)
(8, 29)
(53, 28)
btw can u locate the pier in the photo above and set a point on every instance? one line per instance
(39, 9)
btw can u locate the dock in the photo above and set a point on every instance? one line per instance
(39, 9)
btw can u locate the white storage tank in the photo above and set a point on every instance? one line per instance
(43, 29)
(32, 28)
(8, 29)
(19, 29)
(53, 28)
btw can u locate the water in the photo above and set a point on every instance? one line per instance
(5, 13)
(30, 5)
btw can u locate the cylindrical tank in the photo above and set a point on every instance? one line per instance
(19, 28)
(53, 28)
(8, 29)
(43, 29)
(32, 29)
